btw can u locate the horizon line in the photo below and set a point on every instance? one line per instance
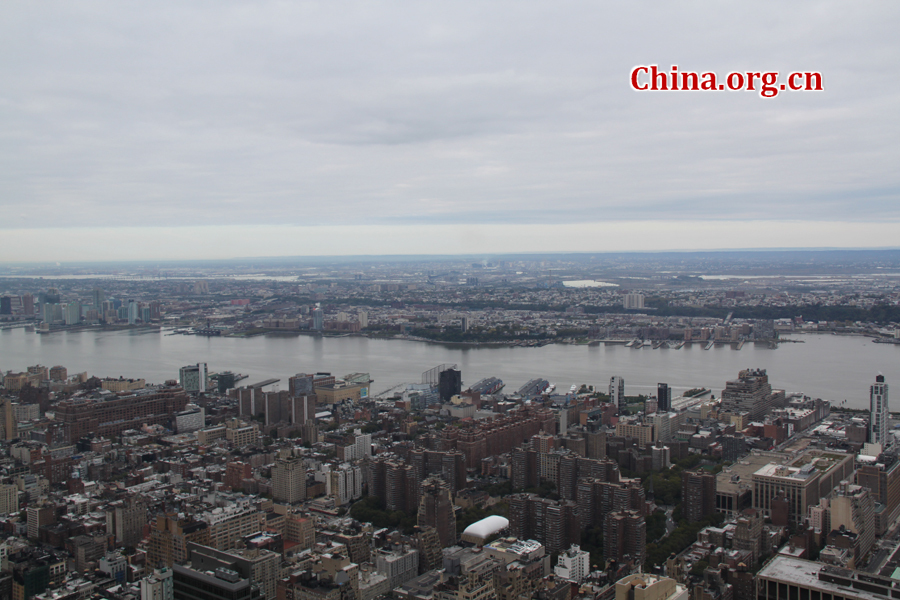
(444, 256)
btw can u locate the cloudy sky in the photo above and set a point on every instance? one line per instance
(218, 129)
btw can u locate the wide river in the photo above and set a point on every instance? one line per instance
(833, 367)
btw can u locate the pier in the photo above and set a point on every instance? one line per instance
(263, 383)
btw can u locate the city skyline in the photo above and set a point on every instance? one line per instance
(182, 132)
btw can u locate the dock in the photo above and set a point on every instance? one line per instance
(263, 384)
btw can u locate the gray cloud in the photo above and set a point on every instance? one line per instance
(220, 113)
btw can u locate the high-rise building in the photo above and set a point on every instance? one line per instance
(37, 516)
(879, 418)
(625, 536)
(663, 397)
(158, 586)
(552, 523)
(9, 498)
(436, 510)
(748, 534)
(169, 540)
(194, 378)
(300, 530)
(344, 483)
(73, 313)
(524, 468)
(127, 519)
(28, 305)
(853, 509)
(59, 373)
(235, 474)
(633, 301)
(318, 318)
(289, 480)
(597, 498)
(52, 296)
(97, 299)
(428, 543)
(752, 393)
(449, 384)
(574, 564)
(698, 494)
(53, 313)
(301, 384)
(225, 381)
(363, 319)
(617, 392)
(882, 476)
(134, 312)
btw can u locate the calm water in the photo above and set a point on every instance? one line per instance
(826, 366)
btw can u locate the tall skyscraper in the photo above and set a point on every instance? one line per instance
(193, 378)
(625, 536)
(752, 393)
(633, 301)
(617, 392)
(449, 384)
(28, 305)
(133, 312)
(318, 319)
(97, 298)
(289, 480)
(73, 313)
(436, 510)
(878, 412)
(663, 397)
(698, 492)
(127, 520)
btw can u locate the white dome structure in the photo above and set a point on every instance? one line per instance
(479, 531)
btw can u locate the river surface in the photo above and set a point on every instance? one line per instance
(832, 367)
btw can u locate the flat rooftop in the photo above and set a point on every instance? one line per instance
(729, 480)
(845, 582)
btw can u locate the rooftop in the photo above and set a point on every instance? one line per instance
(846, 582)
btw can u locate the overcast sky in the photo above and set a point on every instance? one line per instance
(218, 129)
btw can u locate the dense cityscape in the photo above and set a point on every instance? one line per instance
(211, 482)
(698, 298)
(306, 300)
